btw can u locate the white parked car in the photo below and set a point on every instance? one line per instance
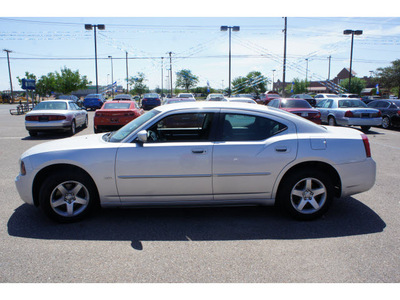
(123, 97)
(215, 97)
(186, 95)
(55, 115)
(200, 154)
(241, 99)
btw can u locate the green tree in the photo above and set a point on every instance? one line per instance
(185, 79)
(46, 85)
(299, 87)
(356, 86)
(389, 77)
(68, 81)
(139, 87)
(254, 82)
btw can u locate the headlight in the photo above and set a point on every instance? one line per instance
(22, 168)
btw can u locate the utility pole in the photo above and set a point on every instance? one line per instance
(9, 72)
(170, 70)
(162, 76)
(306, 70)
(127, 74)
(284, 58)
(329, 68)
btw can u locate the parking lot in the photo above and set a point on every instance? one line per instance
(356, 241)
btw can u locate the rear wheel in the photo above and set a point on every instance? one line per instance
(67, 196)
(85, 125)
(32, 133)
(72, 130)
(365, 128)
(331, 121)
(306, 194)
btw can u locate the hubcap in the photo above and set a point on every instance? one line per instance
(385, 122)
(69, 199)
(308, 195)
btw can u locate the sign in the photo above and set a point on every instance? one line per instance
(28, 84)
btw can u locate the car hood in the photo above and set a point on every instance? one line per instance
(73, 143)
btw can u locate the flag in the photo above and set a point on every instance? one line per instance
(377, 88)
(208, 86)
(292, 87)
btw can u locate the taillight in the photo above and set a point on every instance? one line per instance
(31, 118)
(366, 145)
(57, 118)
(398, 112)
(348, 114)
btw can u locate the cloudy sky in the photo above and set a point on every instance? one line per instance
(46, 40)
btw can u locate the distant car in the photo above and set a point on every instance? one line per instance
(368, 99)
(230, 153)
(74, 98)
(215, 97)
(115, 114)
(298, 107)
(251, 96)
(178, 100)
(241, 99)
(55, 115)
(266, 98)
(150, 101)
(348, 112)
(390, 110)
(306, 97)
(186, 95)
(123, 97)
(351, 96)
(320, 97)
(94, 101)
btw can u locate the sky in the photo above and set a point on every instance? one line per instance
(46, 40)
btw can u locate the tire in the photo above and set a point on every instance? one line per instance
(365, 128)
(33, 133)
(306, 194)
(331, 121)
(67, 196)
(85, 125)
(72, 130)
(386, 122)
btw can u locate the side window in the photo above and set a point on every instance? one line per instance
(328, 104)
(240, 127)
(182, 128)
(321, 103)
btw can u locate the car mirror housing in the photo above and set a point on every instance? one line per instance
(142, 136)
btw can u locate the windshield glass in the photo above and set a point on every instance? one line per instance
(46, 105)
(119, 135)
(116, 105)
(295, 104)
(351, 103)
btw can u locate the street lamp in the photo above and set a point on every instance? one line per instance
(230, 28)
(112, 76)
(352, 32)
(100, 27)
(273, 79)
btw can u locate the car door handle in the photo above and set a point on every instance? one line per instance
(198, 151)
(281, 149)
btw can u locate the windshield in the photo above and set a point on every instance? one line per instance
(47, 105)
(121, 134)
(295, 104)
(351, 103)
(116, 105)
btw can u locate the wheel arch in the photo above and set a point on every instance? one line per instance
(314, 165)
(47, 171)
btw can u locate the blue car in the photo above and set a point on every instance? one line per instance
(94, 101)
(150, 101)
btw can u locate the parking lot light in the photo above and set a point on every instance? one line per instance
(230, 28)
(352, 32)
(100, 27)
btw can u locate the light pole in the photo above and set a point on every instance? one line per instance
(9, 72)
(306, 70)
(112, 76)
(352, 32)
(100, 27)
(273, 79)
(230, 28)
(170, 71)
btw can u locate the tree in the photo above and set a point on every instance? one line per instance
(139, 87)
(185, 79)
(254, 82)
(389, 77)
(68, 81)
(46, 85)
(299, 87)
(356, 86)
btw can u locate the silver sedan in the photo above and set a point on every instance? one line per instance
(204, 153)
(348, 112)
(55, 115)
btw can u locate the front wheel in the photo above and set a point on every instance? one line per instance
(305, 194)
(365, 128)
(67, 196)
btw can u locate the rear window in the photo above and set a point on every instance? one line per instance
(50, 105)
(295, 104)
(351, 103)
(117, 105)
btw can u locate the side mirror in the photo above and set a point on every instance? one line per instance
(142, 136)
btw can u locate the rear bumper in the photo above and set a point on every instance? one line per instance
(360, 121)
(51, 125)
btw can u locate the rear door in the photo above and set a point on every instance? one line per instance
(250, 152)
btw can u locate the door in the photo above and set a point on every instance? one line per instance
(249, 154)
(173, 165)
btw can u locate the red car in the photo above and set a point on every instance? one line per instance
(266, 98)
(115, 114)
(298, 107)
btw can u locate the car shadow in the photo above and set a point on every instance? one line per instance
(347, 217)
(43, 136)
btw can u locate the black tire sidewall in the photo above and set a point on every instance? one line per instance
(288, 184)
(53, 180)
